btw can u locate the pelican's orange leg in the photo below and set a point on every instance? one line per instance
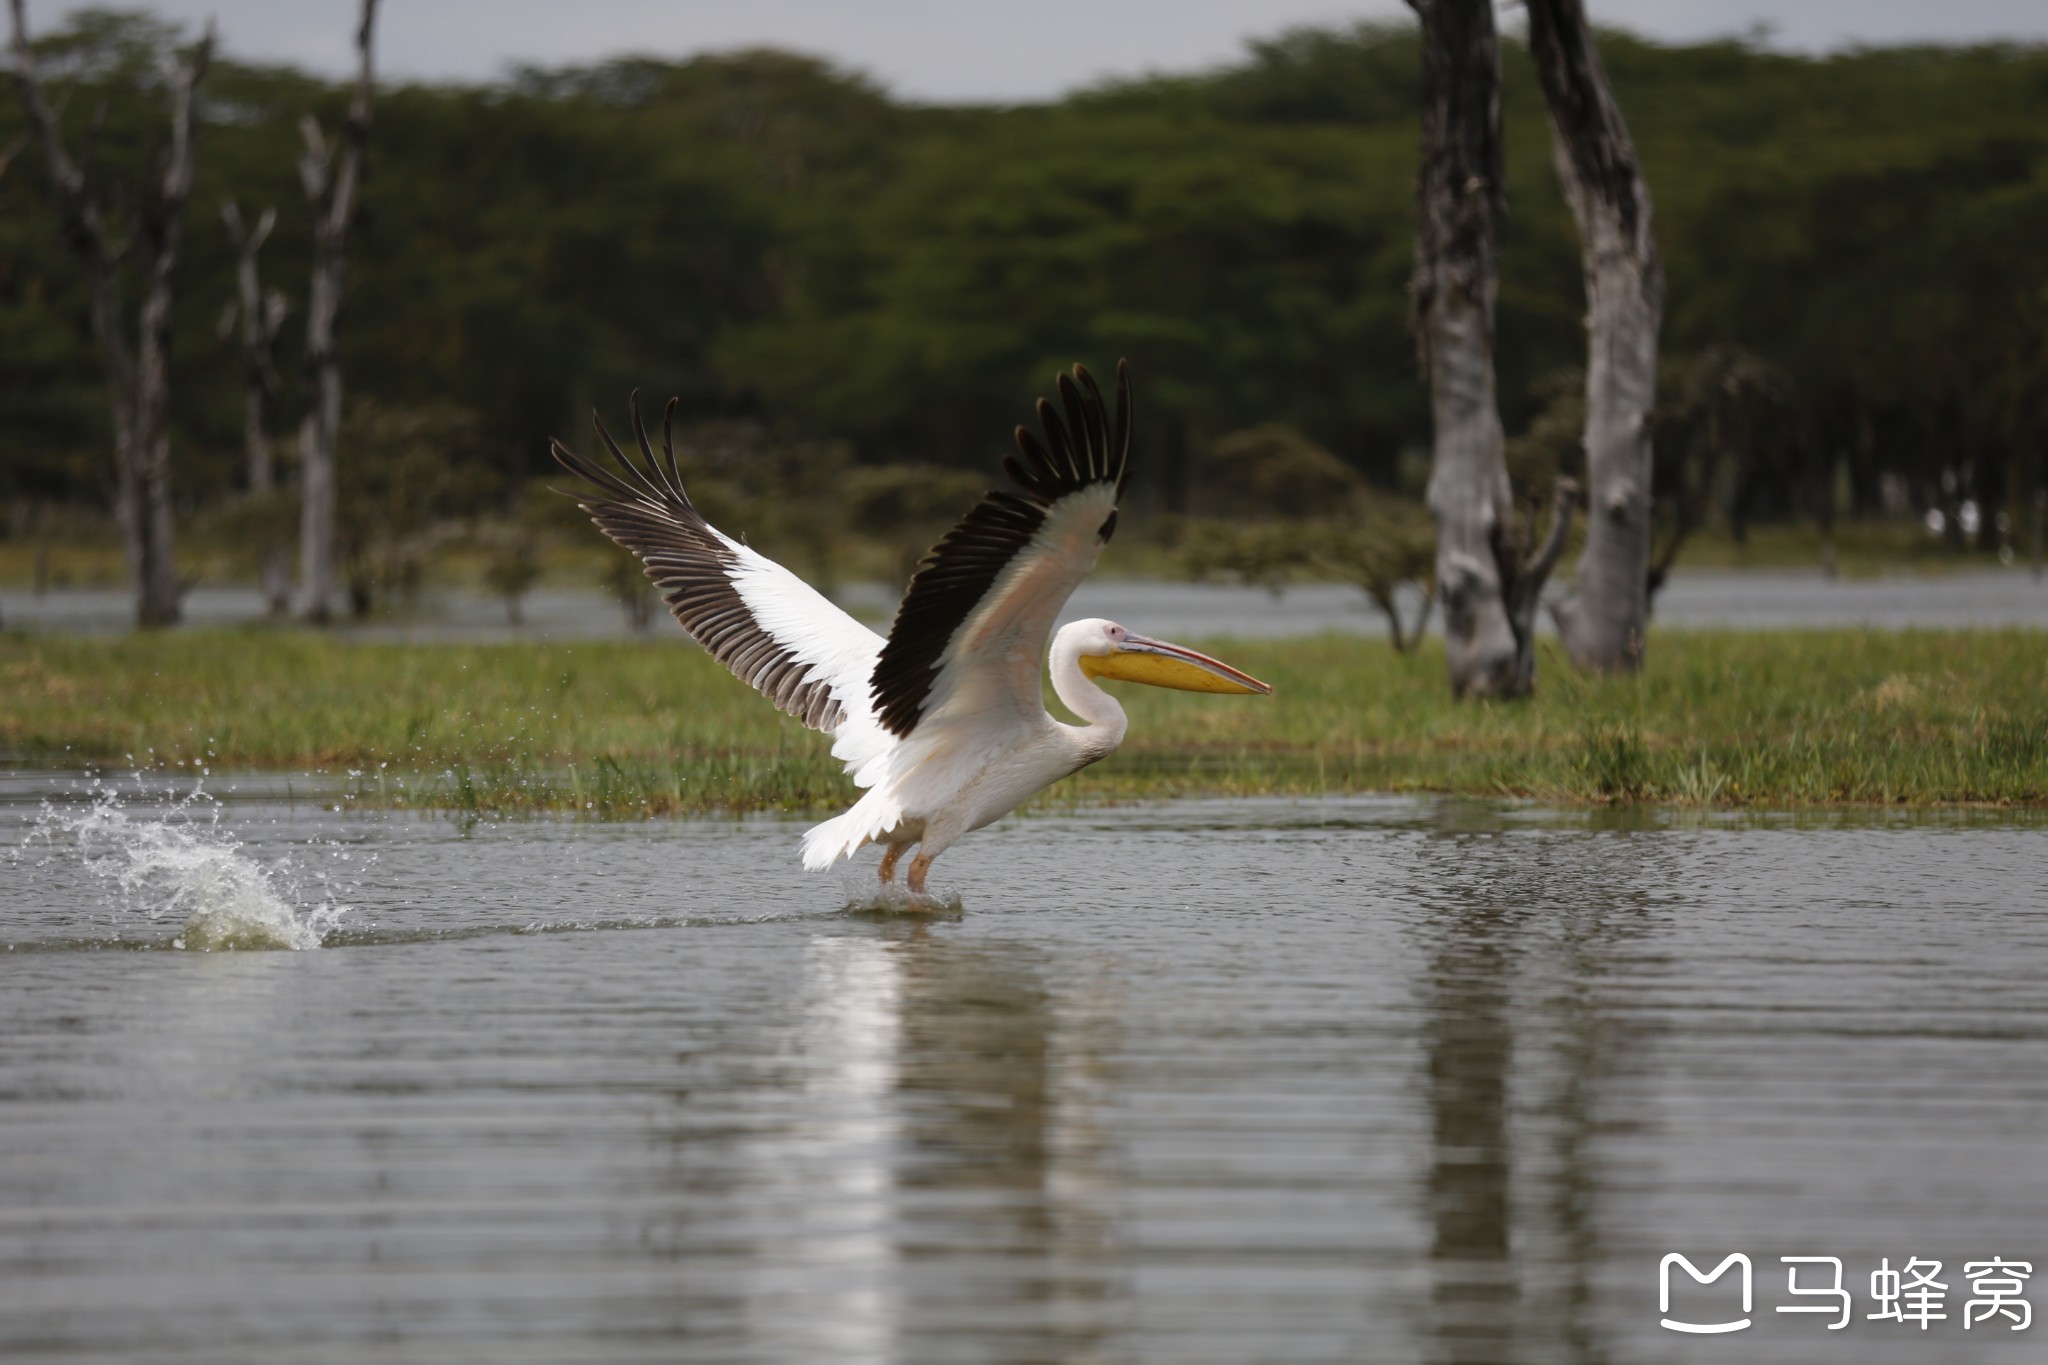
(889, 858)
(919, 866)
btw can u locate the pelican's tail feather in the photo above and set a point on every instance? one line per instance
(844, 835)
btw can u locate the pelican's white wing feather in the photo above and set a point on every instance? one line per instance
(771, 629)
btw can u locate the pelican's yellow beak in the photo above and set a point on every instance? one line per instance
(1160, 664)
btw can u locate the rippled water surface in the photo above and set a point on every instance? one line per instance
(1746, 599)
(1320, 1081)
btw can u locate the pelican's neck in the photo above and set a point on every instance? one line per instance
(1081, 694)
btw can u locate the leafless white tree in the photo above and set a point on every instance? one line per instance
(138, 374)
(1488, 583)
(329, 172)
(258, 316)
(1603, 619)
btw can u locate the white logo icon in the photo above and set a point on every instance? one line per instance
(1699, 1328)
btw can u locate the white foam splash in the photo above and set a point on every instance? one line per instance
(179, 864)
(872, 897)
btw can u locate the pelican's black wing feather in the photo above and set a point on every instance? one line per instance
(1012, 561)
(768, 627)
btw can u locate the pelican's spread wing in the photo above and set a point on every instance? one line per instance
(771, 629)
(970, 636)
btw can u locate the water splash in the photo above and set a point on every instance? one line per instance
(873, 897)
(177, 864)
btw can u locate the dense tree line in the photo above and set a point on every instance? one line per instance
(778, 241)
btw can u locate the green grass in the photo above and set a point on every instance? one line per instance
(619, 729)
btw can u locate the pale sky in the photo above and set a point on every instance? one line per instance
(971, 50)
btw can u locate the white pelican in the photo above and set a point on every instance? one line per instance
(943, 722)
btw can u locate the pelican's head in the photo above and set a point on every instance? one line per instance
(1106, 650)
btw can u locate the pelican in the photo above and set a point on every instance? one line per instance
(943, 722)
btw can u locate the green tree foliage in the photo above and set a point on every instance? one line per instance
(415, 467)
(781, 243)
(1284, 508)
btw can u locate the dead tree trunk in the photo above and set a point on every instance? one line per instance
(15, 149)
(138, 379)
(329, 173)
(261, 317)
(1488, 591)
(2040, 532)
(1603, 620)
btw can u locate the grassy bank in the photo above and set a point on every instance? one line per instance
(1803, 718)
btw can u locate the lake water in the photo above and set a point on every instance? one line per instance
(1339, 1080)
(1694, 599)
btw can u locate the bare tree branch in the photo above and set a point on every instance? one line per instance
(1562, 499)
(163, 231)
(82, 213)
(85, 227)
(138, 378)
(313, 161)
(138, 381)
(329, 172)
(259, 312)
(261, 315)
